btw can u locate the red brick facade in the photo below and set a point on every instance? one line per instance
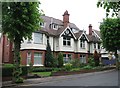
(6, 54)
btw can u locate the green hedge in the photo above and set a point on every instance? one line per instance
(7, 71)
(42, 69)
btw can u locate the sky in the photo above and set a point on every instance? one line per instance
(82, 12)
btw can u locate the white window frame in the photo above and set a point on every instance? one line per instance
(67, 58)
(38, 39)
(65, 39)
(28, 58)
(42, 24)
(82, 44)
(83, 58)
(39, 58)
(55, 26)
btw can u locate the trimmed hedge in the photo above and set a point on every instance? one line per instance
(7, 71)
(42, 69)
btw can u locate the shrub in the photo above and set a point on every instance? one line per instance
(75, 63)
(60, 60)
(49, 59)
(68, 66)
(38, 69)
(87, 67)
(8, 71)
(91, 61)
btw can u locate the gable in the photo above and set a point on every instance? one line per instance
(68, 33)
(83, 37)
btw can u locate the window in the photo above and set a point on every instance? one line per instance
(37, 58)
(66, 41)
(82, 44)
(98, 46)
(82, 58)
(94, 45)
(55, 26)
(38, 38)
(67, 58)
(42, 24)
(28, 58)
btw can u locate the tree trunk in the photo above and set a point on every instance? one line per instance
(17, 70)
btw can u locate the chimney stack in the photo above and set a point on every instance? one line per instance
(66, 18)
(90, 29)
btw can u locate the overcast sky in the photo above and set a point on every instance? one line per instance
(82, 12)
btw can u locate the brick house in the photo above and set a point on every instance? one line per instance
(62, 35)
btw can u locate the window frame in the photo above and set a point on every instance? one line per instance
(82, 44)
(83, 58)
(40, 58)
(40, 37)
(67, 58)
(66, 41)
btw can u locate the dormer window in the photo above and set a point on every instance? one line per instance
(55, 26)
(42, 24)
(74, 30)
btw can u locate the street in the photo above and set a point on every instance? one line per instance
(108, 78)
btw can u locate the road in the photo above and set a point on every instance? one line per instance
(108, 78)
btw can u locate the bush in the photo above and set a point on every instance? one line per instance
(91, 61)
(68, 66)
(8, 71)
(60, 60)
(76, 63)
(38, 69)
(87, 67)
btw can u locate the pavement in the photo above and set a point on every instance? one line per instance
(46, 79)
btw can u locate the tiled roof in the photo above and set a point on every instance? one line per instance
(98, 33)
(92, 38)
(51, 32)
(77, 35)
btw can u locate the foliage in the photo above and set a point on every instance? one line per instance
(87, 67)
(30, 67)
(49, 59)
(8, 70)
(109, 29)
(91, 61)
(38, 69)
(96, 58)
(19, 21)
(44, 74)
(112, 6)
(75, 63)
(60, 60)
(68, 66)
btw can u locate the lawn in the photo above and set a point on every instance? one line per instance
(44, 74)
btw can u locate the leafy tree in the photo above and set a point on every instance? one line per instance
(110, 32)
(60, 60)
(49, 60)
(19, 21)
(108, 5)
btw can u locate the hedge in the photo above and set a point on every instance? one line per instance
(7, 71)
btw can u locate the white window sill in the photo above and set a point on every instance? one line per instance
(38, 65)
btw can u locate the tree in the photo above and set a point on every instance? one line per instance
(113, 6)
(110, 32)
(96, 58)
(19, 21)
(60, 60)
(49, 60)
